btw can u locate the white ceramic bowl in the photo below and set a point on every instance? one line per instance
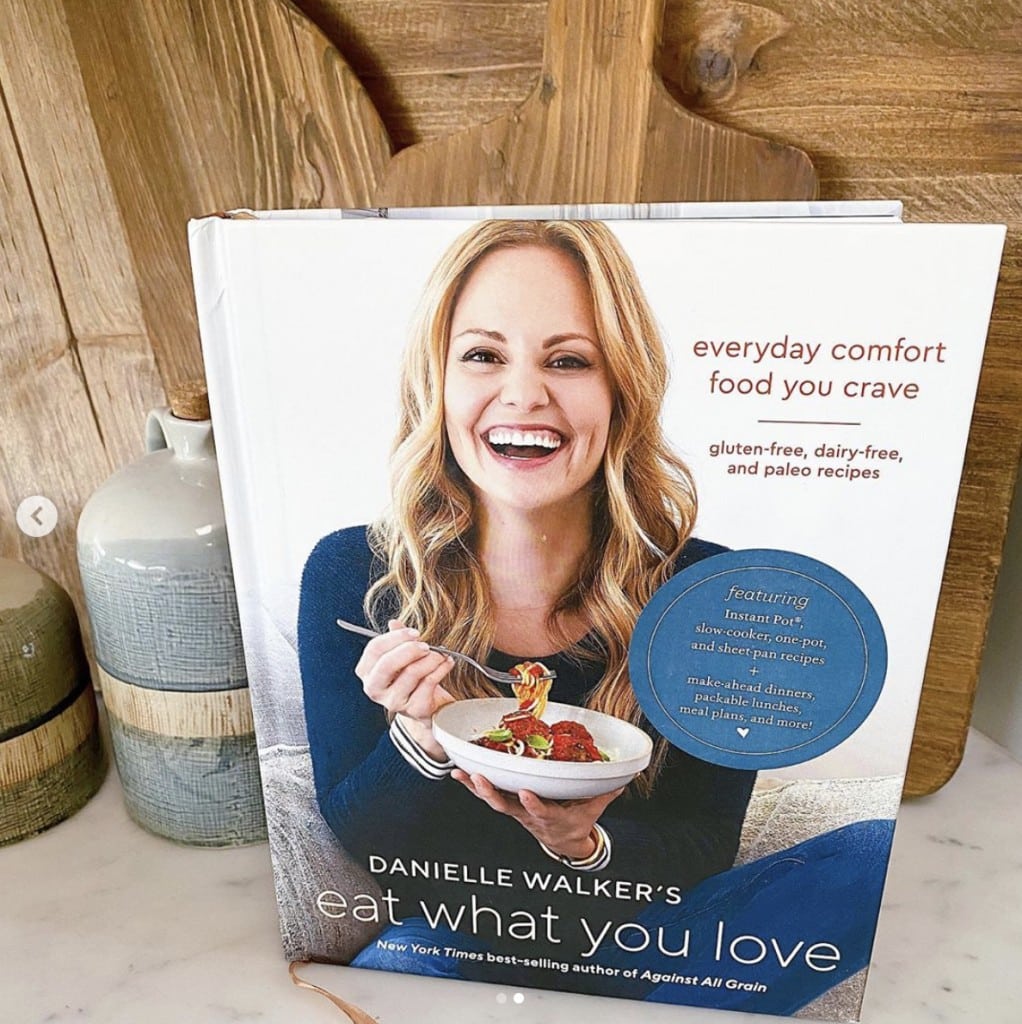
(456, 725)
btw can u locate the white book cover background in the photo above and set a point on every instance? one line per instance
(859, 345)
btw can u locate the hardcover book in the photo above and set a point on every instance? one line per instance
(587, 560)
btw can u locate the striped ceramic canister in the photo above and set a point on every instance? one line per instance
(51, 752)
(156, 571)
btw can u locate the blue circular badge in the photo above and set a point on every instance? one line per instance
(758, 659)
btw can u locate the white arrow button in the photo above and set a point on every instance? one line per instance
(36, 516)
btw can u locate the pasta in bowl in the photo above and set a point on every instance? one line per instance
(622, 749)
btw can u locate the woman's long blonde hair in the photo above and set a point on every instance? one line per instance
(644, 501)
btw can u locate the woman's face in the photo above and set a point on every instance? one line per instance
(527, 396)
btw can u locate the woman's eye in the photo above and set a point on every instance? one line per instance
(480, 355)
(569, 362)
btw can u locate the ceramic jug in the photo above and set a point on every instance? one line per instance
(156, 571)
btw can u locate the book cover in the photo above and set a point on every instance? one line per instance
(683, 488)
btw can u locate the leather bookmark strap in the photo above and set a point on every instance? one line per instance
(354, 1014)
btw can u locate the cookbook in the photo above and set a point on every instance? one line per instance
(586, 561)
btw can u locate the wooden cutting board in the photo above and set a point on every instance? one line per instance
(599, 126)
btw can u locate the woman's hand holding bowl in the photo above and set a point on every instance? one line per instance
(400, 672)
(564, 826)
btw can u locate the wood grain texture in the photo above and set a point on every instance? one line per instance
(448, 63)
(180, 713)
(31, 753)
(80, 221)
(64, 429)
(598, 126)
(204, 106)
(50, 440)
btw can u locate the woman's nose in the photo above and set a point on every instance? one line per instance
(523, 388)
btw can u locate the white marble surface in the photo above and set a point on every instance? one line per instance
(106, 924)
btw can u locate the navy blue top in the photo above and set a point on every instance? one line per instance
(376, 803)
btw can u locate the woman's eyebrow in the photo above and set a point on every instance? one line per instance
(483, 332)
(554, 339)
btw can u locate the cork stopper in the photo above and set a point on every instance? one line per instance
(189, 400)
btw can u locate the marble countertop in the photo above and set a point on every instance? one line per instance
(104, 923)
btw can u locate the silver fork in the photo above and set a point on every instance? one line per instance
(490, 673)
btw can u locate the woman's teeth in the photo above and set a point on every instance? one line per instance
(523, 444)
(524, 439)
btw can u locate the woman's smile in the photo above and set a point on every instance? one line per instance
(526, 392)
(524, 443)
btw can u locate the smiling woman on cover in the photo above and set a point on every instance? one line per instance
(536, 508)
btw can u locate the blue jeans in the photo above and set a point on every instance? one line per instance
(771, 912)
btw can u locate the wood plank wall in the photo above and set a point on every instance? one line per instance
(77, 371)
(103, 136)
